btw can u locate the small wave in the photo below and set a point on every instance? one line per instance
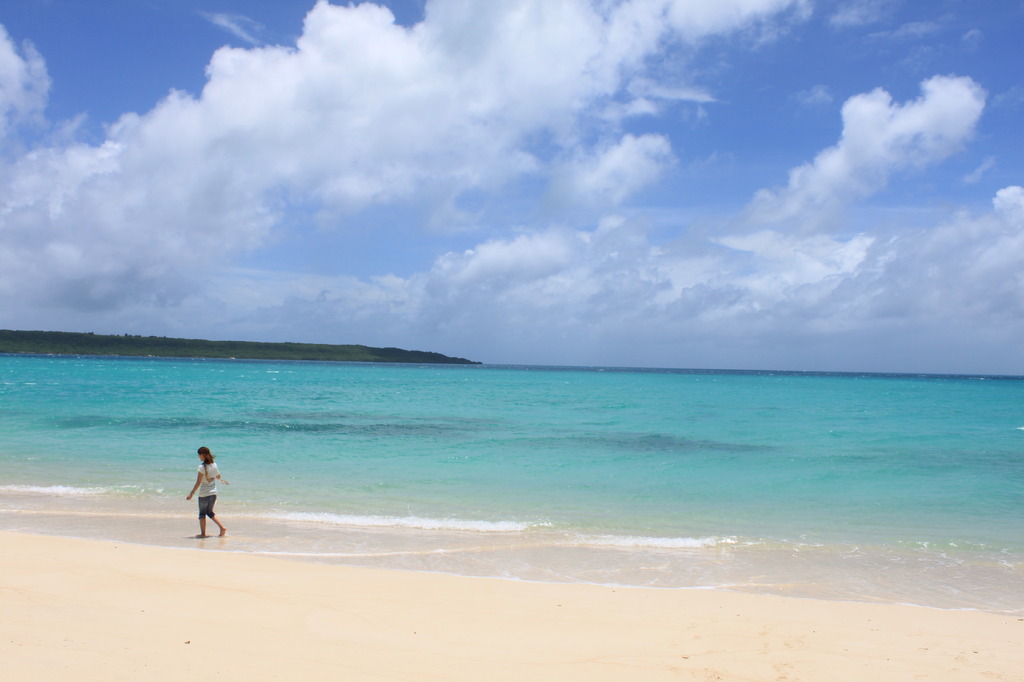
(416, 522)
(635, 541)
(55, 490)
(349, 555)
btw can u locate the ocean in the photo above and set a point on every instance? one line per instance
(864, 487)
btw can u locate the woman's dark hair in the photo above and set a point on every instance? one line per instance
(207, 456)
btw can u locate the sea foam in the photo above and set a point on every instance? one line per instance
(636, 542)
(415, 522)
(54, 490)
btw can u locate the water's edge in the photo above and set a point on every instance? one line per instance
(882, 575)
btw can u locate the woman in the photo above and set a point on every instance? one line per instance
(206, 484)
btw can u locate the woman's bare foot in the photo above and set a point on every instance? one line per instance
(223, 532)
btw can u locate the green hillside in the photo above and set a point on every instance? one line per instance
(72, 343)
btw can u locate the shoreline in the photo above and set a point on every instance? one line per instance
(111, 610)
(859, 575)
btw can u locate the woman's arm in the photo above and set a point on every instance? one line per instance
(199, 479)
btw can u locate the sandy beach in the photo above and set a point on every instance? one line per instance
(113, 611)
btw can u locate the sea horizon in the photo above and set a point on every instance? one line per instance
(478, 364)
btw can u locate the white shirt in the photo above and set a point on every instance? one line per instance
(208, 486)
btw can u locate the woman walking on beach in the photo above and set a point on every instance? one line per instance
(206, 484)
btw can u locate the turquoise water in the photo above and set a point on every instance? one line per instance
(870, 487)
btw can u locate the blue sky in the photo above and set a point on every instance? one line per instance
(774, 184)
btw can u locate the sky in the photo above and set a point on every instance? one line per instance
(820, 185)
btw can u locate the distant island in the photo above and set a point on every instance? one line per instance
(73, 343)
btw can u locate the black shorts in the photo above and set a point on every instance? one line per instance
(206, 506)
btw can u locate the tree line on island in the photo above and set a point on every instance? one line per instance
(76, 343)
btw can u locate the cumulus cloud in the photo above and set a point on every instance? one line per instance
(879, 137)
(24, 84)
(609, 175)
(1009, 206)
(610, 293)
(147, 228)
(359, 112)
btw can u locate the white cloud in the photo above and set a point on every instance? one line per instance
(24, 84)
(975, 176)
(610, 294)
(648, 89)
(972, 39)
(1009, 206)
(913, 30)
(238, 25)
(360, 112)
(852, 13)
(607, 176)
(795, 261)
(879, 137)
(501, 264)
(144, 228)
(817, 96)
(696, 20)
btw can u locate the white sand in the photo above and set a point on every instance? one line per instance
(92, 610)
